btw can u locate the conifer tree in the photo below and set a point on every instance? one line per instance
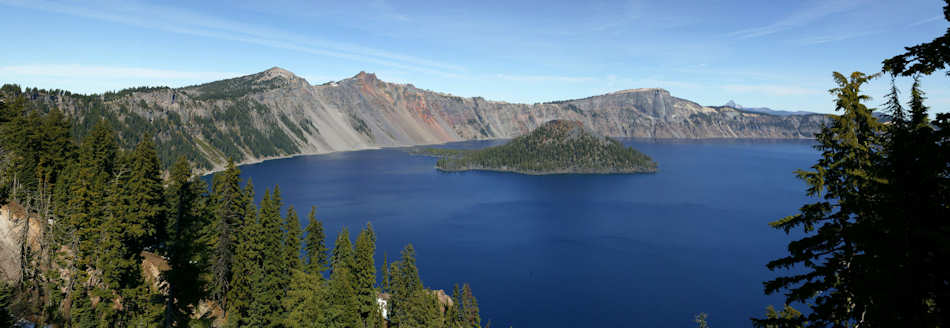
(453, 315)
(836, 226)
(267, 310)
(6, 301)
(365, 274)
(411, 305)
(386, 284)
(924, 58)
(135, 214)
(246, 262)
(86, 205)
(82, 314)
(469, 308)
(344, 305)
(229, 210)
(181, 246)
(292, 240)
(316, 245)
(305, 304)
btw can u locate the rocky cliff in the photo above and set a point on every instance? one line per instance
(276, 113)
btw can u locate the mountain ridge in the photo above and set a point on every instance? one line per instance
(275, 113)
(766, 110)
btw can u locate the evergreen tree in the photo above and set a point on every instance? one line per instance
(182, 246)
(386, 285)
(82, 314)
(247, 262)
(924, 58)
(365, 274)
(6, 301)
(453, 315)
(411, 305)
(911, 227)
(86, 205)
(835, 225)
(134, 217)
(305, 303)
(787, 318)
(229, 211)
(271, 288)
(469, 308)
(58, 150)
(316, 246)
(344, 305)
(918, 111)
(291, 241)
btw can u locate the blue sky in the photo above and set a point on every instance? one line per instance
(778, 54)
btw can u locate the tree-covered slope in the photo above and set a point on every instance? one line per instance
(555, 147)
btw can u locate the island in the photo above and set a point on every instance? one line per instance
(556, 147)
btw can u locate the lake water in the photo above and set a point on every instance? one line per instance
(647, 250)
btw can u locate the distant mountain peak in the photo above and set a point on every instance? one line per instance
(275, 72)
(641, 90)
(764, 110)
(364, 76)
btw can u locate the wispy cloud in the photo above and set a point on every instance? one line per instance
(111, 72)
(820, 39)
(544, 78)
(774, 90)
(800, 18)
(191, 23)
(925, 21)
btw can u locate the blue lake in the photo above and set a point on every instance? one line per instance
(647, 250)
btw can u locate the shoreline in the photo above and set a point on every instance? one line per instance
(202, 173)
(513, 171)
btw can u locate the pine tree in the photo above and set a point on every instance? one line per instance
(305, 303)
(135, 215)
(181, 246)
(836, 227)
(229, 211)
(86, 205)
(6, 301)
(291, 241)
(344, 305)
(411, 305)
(918, 111)
(247, 261)
(387, 276)
(266, 310)
(82, 314)
(316, 246)
(469, 308)
(924, 58)
(365, 273)
(453, 315)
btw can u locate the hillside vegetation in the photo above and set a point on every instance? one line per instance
(556, 147)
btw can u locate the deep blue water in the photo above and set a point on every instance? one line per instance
(647, 250)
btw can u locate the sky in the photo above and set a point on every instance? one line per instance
(777, 54)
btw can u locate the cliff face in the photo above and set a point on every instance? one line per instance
(276, 113)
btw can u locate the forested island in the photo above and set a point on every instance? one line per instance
(556, 147)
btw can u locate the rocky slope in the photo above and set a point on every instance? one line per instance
(276, 113)
(556, 147)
